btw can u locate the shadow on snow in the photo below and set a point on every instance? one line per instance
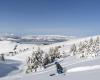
(8, 66)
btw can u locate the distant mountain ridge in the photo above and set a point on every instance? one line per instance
(41, 39)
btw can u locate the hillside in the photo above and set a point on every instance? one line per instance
(77, 67)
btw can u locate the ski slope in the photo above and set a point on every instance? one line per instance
(83, 70)
(76, 69)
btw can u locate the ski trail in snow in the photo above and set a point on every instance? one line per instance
(83, 68)
(66, 65)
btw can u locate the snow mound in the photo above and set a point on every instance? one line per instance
(83, 68)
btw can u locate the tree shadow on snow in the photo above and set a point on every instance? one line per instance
(8, 66)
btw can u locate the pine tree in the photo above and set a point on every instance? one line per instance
(97, 45)
(87, 48)
(36, 60)
(46, 60)
(54, 53)
(73, 49)
(91, 41)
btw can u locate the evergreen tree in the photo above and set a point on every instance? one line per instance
(36, 60)
(54, 53)
(73, 49)
(46, 60)
(91, 41)
(97, 45)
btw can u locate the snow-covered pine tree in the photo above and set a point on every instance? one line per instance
(54, 53)
(29, 65)
(97, 45)
(81, 49)
(46, 60)
(36, 60)
(91, 41)
(87, 48)
(73, 49)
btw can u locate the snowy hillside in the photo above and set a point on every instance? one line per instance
(79, 62)
(87, 70)
(6, 46)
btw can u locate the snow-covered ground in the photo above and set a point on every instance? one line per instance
(76, 68)
(82, 70)
(6, 46)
